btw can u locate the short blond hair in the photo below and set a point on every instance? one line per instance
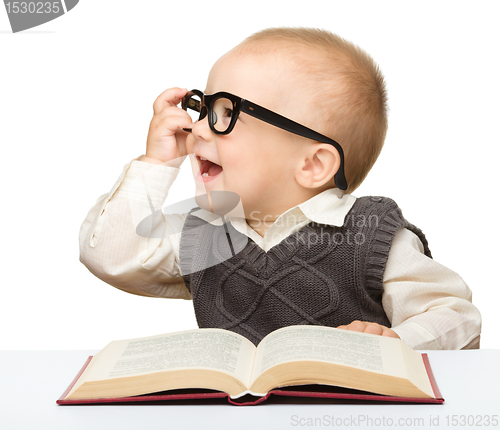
(347, 87)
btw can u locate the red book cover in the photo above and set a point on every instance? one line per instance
(298, 394)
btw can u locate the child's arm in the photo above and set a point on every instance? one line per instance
(111, 248)
(428, 304)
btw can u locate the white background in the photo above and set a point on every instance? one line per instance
(76, 99)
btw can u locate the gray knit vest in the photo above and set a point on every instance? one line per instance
(321, 274)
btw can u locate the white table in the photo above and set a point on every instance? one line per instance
(32, 381)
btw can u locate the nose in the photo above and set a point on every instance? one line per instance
(201, 130)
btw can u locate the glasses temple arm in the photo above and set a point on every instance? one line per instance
(280, 121)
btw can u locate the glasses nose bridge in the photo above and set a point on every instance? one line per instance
(206, 110)
(202, 130)
(204, 104)
(203, 111)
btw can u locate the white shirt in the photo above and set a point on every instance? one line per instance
(429, 305)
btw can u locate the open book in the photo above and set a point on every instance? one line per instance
(221, 360)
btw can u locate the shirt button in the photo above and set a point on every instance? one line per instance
(376, 199)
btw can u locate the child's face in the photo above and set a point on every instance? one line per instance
(257, 161)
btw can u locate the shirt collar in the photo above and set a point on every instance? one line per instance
(329, 207)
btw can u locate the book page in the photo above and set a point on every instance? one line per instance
(300, 343)
(215, 349)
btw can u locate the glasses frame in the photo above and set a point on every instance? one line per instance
(261, 113)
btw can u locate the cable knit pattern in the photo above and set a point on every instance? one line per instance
(321, 274)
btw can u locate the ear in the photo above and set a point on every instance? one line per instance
(318, 166)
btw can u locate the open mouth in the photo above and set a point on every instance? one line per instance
(208, 168)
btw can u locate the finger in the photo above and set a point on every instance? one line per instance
(374, 329)
(357, 326)
(171, 110)
(172, 124)
(169, 97)
(390, 333)
(176, 115)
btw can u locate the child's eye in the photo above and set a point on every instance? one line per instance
(222, 111)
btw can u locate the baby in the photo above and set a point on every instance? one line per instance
(291, 122)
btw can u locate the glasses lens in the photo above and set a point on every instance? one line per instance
(192, 105)
(222, 110)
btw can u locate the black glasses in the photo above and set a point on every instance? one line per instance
(224, 108)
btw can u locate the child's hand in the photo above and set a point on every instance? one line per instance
(369, 327)
(166, 139)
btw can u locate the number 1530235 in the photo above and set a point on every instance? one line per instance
(33, 7)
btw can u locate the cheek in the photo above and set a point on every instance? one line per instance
(250, 156)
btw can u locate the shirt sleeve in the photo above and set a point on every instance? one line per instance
(127, 241)
(429, 305)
